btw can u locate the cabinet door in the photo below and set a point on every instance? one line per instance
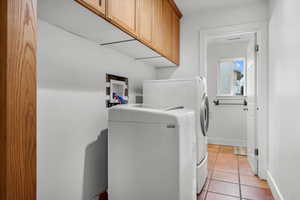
(176, 39)
(123, 14)
(165, 33)
(145, 11)
(97, 6)
(167, 29)
(157, 28)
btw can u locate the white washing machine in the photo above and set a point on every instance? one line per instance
(191, 94)
(151, 154)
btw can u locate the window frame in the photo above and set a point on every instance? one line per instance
(233, 59)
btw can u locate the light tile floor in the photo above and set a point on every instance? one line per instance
(230, 177)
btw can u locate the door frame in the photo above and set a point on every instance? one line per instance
(261, 30)
(18, 87)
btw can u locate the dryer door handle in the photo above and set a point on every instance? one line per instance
(175, 108)
(204, 114)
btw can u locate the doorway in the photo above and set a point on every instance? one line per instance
(237, 74)
(231, 76)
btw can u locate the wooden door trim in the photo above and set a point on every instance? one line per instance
(3, 101)
(18, 25)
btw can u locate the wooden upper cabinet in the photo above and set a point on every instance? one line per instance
(155, 23)
(144, 19)
(157, 28)
(167, 29)
(123, 14)
(97, 6)
(176, 39)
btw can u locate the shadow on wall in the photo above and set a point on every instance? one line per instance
(95, 167)
(165, 72)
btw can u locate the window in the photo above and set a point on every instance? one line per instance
(231, 77)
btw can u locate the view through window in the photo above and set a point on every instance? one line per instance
(231, 77)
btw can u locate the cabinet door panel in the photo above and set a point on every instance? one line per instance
(176, 39)
(123, 13)
(145, 11)
(97, 6)
(167, 29)
(157, 28)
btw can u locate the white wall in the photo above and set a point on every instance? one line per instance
(190, 34)
(72, 118)
(284, 99)
(233, 131)
(216, 52)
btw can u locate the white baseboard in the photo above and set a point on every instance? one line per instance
(262, 173)
(229, 142)
(274, 188)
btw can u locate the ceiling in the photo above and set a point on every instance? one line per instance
(192, 6)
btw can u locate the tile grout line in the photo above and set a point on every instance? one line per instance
(213, 170)
(227, 195)
(225, 181)
(239, 177)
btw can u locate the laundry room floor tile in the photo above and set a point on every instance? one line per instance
(244, 166)
(215, 196)
(224, 188)
(231, 178)
(213, 148)
(210, 173)
(227, 149)
(202, 195)
(255, 193)
(225, 176)
(229, 167)
(212, 155)
(253, 181)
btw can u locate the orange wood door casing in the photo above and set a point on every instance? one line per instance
(18, 24)
(123, 14)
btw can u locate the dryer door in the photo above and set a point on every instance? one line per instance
(204, 114)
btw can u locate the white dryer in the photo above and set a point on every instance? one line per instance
(191, 94)
(151, 154)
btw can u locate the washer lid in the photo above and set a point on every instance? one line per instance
(196, 78)
(139, 113)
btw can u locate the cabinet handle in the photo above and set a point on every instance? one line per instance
(100, 2)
